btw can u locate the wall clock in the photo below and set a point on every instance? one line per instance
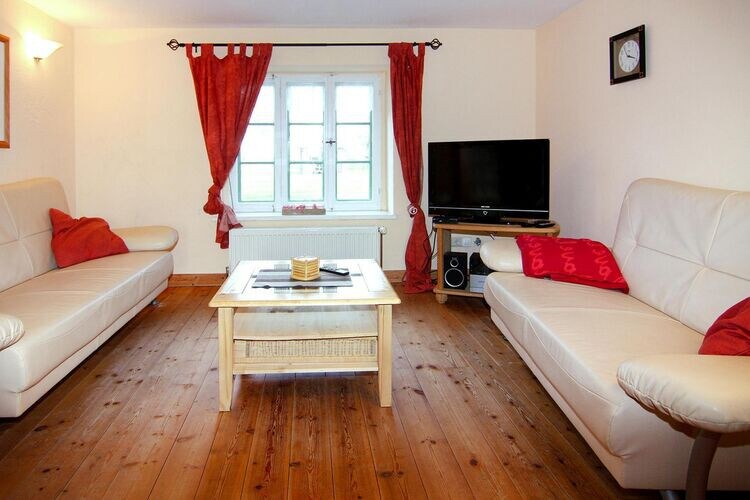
(627, 55)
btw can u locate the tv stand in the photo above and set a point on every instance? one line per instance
(506, 229)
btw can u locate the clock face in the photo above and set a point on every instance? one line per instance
(630, 55)
(627, 55)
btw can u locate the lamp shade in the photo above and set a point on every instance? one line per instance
(39, 47)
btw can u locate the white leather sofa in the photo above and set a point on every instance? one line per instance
(63, 314)
(685, 252)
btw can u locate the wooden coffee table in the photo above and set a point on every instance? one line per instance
(290, 330)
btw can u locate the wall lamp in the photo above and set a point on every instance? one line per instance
(40, 48)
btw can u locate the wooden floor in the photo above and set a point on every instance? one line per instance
(139, 419)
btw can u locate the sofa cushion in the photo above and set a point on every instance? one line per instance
(730, 333)
(683, 249)
(572, 260)
(707, 392)
(502, 254)
(65, 309)
(78, 240)
(25, 228)
(11, 329)
(578, 336)
(148, 238)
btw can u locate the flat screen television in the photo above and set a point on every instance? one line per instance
(488, 181)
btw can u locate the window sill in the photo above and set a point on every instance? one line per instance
(360, 215)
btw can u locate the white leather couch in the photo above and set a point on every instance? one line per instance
(63, 314)
(685, 252)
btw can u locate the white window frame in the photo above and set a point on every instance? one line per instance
(379, 179)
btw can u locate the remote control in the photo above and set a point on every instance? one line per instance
(341, 271)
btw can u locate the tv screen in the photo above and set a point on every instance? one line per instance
(488, 181)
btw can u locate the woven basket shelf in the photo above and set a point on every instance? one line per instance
(311, 339)
(363, 347)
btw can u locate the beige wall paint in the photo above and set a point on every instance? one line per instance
(688, 120)
(139, 150)
(41, 100)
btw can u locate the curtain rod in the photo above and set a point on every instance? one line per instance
(434, 44)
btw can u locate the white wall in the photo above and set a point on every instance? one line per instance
(688, 120)
(140, 156)
(41, 100)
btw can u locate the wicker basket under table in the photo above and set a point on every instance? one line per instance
(281, 340)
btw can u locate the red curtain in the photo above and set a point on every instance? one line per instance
(226, 89)
(406, 93)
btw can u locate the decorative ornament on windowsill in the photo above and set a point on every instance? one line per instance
(302, 210)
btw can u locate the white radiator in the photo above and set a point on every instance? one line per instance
(285, 243)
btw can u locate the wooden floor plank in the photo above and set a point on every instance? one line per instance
(310, 457)
(13, 430)
(351, 457)
(481, 349)
(46, 459)
(150, 412)
(224, 472)
(438, 467)
(138, 419)
(181, 475)
(186, 373)
(267, 473)
(183, 469)
(487, 476)
(397, 473)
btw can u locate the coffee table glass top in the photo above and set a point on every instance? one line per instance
(369, 286)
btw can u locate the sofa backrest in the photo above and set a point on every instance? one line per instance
(685, 250)
(25, 228)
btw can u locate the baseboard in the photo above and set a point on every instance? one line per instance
(177, 280)
(395, 276)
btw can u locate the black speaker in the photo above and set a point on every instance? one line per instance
(455, 270)
(476, 266)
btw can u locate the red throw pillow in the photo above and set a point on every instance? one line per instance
(572, 260)
(79, 240)
(730, 333)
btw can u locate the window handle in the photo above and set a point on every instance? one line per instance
(330, 141)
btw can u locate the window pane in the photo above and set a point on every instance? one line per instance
(353, 143)
(306, 143)
(263, 112)
(256, 182)
(305, 182)
(305, 103)
(353, 103)
(353, 181)
(258, 144)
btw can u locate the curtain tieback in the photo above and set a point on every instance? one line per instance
(227, 219)
(414, 210)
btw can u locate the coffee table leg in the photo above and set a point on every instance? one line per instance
(226, 357)
(385, 356)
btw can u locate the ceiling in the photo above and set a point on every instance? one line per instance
(308, 13)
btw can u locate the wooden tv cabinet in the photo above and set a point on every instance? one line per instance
(444, 232)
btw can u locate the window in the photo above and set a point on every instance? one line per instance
(313, 139)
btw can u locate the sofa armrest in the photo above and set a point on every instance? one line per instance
(502, 254)
(11, 329)
(148, 238)
(707, 392)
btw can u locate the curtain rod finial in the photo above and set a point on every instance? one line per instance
(174, 44)
(435, 44)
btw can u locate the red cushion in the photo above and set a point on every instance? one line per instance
(572, 260)
(79, 240)
(730, 333)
